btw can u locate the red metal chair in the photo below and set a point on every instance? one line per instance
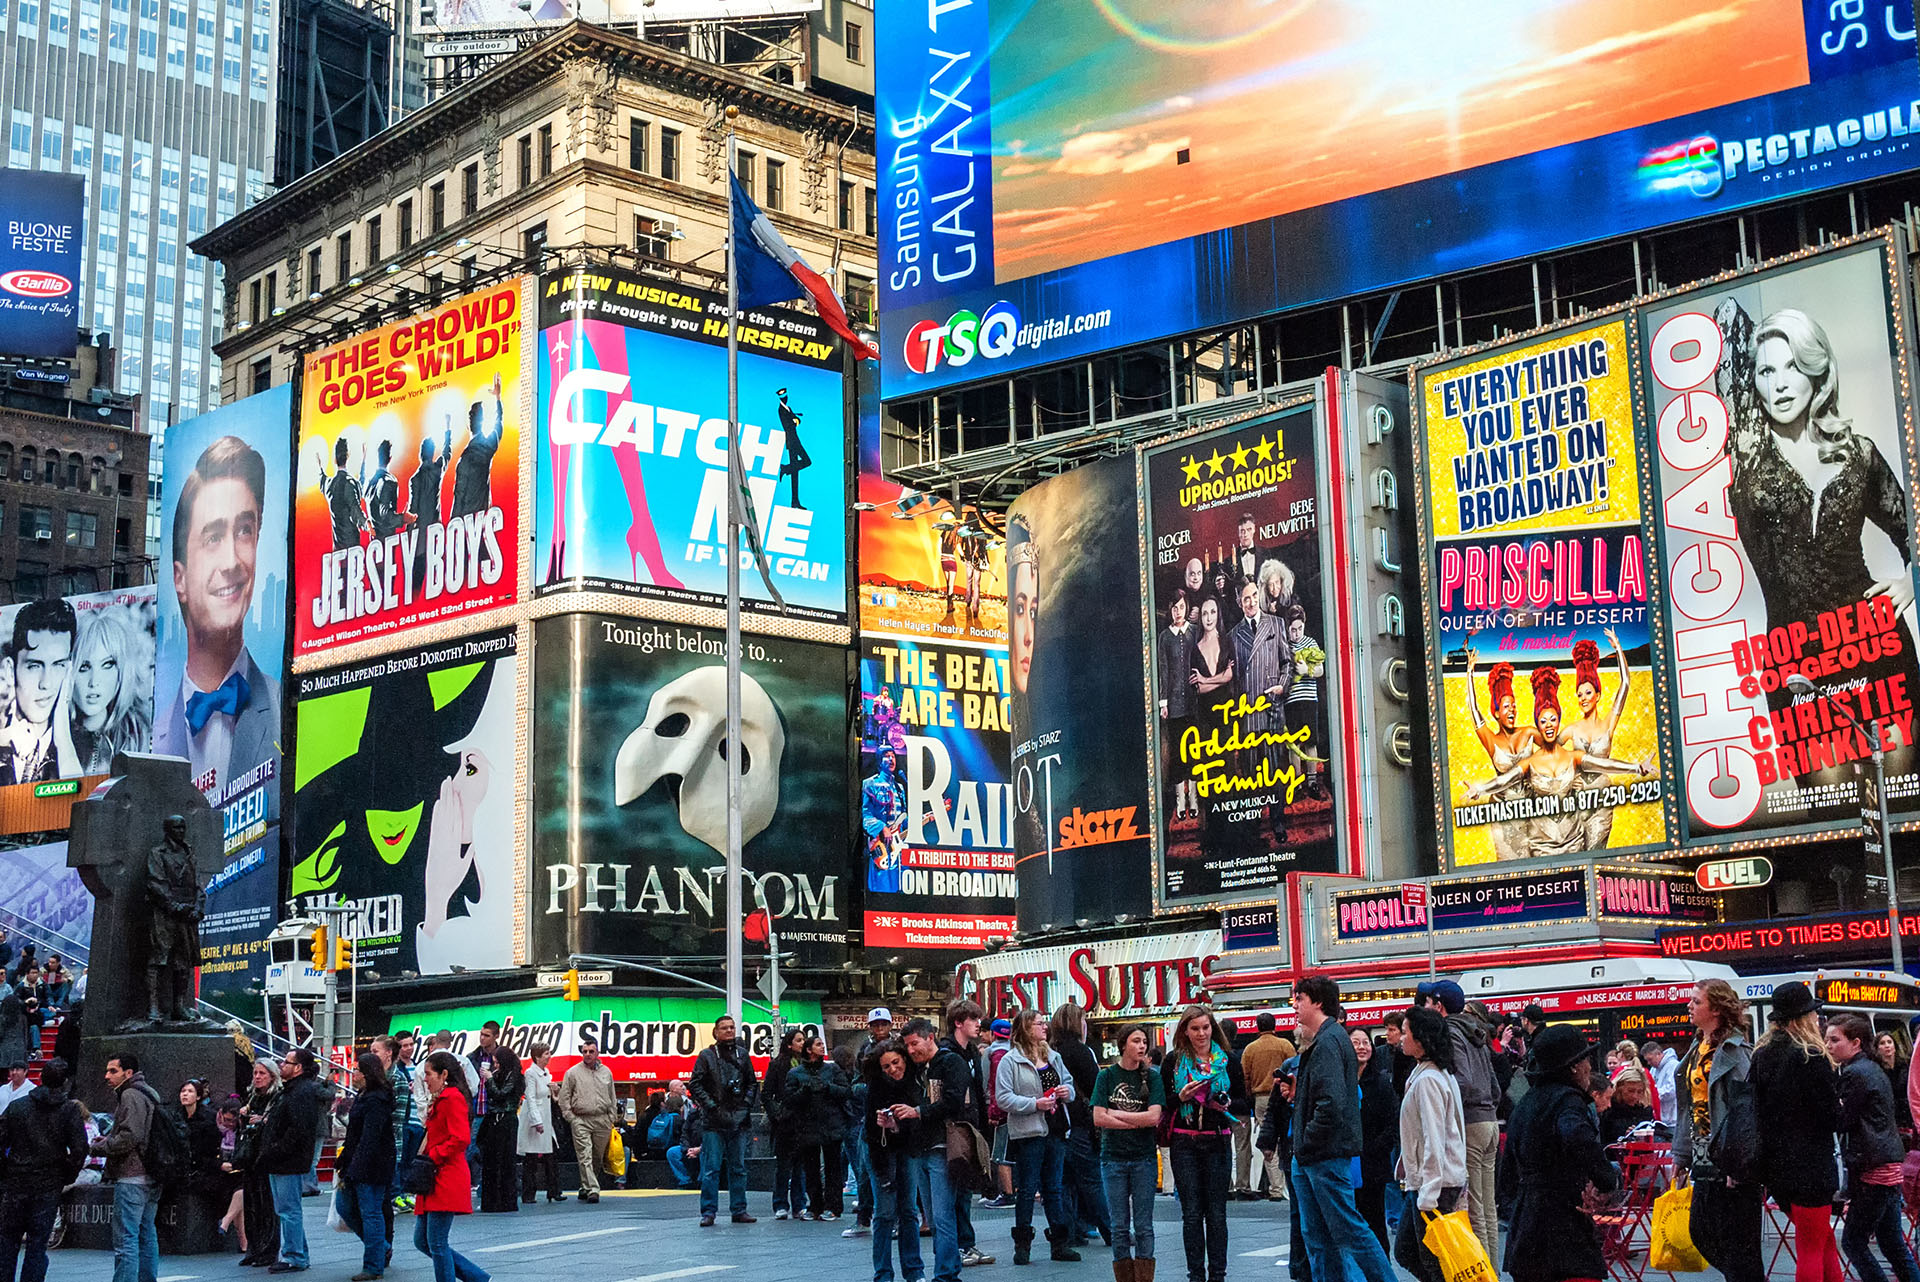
(1646, 1171)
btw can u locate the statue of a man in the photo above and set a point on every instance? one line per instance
(177, 903)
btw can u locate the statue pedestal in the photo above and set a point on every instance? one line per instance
(167, 1061)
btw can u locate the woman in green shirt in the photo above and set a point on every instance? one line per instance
(1127, 1099)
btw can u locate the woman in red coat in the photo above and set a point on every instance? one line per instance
(449, 1130)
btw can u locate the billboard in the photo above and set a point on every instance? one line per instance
(936, 806)
(497, 15)
(40, 264)
(1235, 668)
(630, 786)
(222, 628)
(407, 506)
(631, 472)
(1063, 180)
(1786, 537)
(37, 886)
(77, 684)
(243, 906)
(404, 786)
(1537, 569)
(1082, 816)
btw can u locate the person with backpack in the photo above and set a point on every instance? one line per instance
(1717, 1144)
(43, 1145)
(136, 1191)
(287, 1143)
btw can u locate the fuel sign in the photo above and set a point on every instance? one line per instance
(1734, 874)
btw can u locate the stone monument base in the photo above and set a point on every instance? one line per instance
(188, 1223)
(167, 1060)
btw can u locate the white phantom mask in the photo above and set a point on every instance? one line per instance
(683, 740)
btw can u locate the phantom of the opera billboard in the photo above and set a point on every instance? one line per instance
(406, 507)
(629, 799)
(1236, 671)
(1778, 403)
(1537, 566)
(631, 459)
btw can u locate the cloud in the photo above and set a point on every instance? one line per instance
(1110, 152)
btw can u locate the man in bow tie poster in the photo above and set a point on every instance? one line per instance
(223, 612)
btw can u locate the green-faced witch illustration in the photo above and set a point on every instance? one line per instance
(405, 787)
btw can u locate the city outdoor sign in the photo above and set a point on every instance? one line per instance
(1734, 874)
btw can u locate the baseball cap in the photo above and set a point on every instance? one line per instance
(879, 1015)
(1446, 992)
(1001, 1027)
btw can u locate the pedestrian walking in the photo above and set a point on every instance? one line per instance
(136, 1197)
(259, 1220)
(963, 1039)
(1032, 1090)
(817, 1092)
(1379, 1133)
(1085, 1194)
(1870, 1140)
(535, 1140)
(1128, 1100)
(854, 1145)
(407, 1054)
(506, 1086)
(363, 1170)
(1796, 1100)
(1327, 1136)
(1717, 1144)
(1276, 1139)
(449, 1131)
(1890, 1049)
(949, 1087)
(586, 1101)
(1662, 1067)
(1264, 1054)
(789, 1184)
(399, 1085)
(287, 1143)
(1475, 1069)
(43, 1145)
(724, 1087)
(1433, 1139)
(1201, 1080)
(1555, 1139)
(897, 1150)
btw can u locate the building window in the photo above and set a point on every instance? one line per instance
(76, 466)
(470, 191)
(273, 292)
(262, 373)
(856, 43)
(859, 299)
(30, 581)
(526, 160)
(873, 213)
(746, 165)
(313, 270)
(638, 134)
(406, 225)
(533, 240)
(29, 464)
(36, 523)
(253, 301)
(436, 209)
(125, 486)
(83, 531)
(670, 155)
(776, 184)
(342, 257)
(97, 476)
(122, 534)
(6, 460)
(51, 473)
(546, 150)
(652, 236)
(374, 250)
(846, 206)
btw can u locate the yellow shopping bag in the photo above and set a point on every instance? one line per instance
(1672, 1249)
(1453, 1243)
(616, 1154)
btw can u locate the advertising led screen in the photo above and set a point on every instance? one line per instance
(223, 608)
(630, 789)
(45, 219)
(1537, 569)
(1235, 666)
(407, 510)
(1786, 538)
(936, 808)
(631, 478)
(77, 687)
(404, 780)
(1058, 180)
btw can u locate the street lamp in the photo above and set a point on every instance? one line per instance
(1799, 684)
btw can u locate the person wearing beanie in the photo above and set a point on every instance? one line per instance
(1554, 1136)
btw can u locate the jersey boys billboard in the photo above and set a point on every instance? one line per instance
(631, 484)
(1059, 180)
(406, 510)
(936, 807)
(1538, 578)
(1782, 424)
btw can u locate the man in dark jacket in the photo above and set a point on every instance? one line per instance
(949, 1079)
(43, 1145)
(287, 1141)
(963, 1039)
(1327, 1137)
(136, 1199)
(1870, 1141)
(724, 1087)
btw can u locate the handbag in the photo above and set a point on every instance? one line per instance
(615, 1161)
(422, 1175)
(1670, 1247)
(969, 1157)
(1452, 1242)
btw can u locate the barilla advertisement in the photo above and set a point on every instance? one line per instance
(42, 225)
(1536, 562)
(406, 509)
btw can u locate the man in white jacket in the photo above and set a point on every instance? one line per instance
(1433, 1139)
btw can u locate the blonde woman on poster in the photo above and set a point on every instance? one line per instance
(1593, 732)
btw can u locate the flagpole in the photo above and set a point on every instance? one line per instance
(735, 947)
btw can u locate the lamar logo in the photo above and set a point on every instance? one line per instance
(1097, 828)
(32, 284)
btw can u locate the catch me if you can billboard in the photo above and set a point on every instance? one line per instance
(1041, 206)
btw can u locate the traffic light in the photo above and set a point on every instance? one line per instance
(319, 953)
(573, 985)
(342, 953)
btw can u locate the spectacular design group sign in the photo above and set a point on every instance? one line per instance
(1537, 577)
(631, 473)
(407, 507)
